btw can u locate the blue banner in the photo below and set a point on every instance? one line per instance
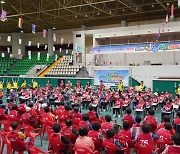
(147, 47)
(111, 77)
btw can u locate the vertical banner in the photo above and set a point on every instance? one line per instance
(56, 57)
(20, 22)
(29, 43)
(111, 77)
(33, 28)
(44, 33)
(38, 56)
(178, 3)
(47, 58)
(54, 37)
(29, 54)
(3, 55)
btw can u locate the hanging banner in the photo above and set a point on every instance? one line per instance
(38, 56)
(45, 47)
(44, 33)
(172, 10)
(3, 55)
(56, 57)
(178, 3)
(20, 56)
(149, 47)
(111, 77)
(38, 45)
(33, 28)
(47, 58)
(54, 49)
(8, 49)
(9, 38)
(11, 55)
(29, 43)
(20, 41)
(29, 54)
(54, 37)
(20, 22)
(3, 16)
(19, 51)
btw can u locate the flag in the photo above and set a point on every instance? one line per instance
(33, 28)
(54, 37)
(9, 38)
(163, 27)
(54, 49)
(3, 55)
(3, 16)
(29, 43)
(69, 42)
(8, 49)
(44, 33)
(20, 22)
(62, 40)
(20, 41)
(38, 45)
(178, 3)
(29, 54)
(38, 56)
(167, 19)
(47, 58)
(19, 51)
(46, 46)
(172, 10)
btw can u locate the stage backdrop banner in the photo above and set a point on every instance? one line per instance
(111, 77)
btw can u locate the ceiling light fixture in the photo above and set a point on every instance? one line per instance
(167, 4)
(54, 28)
(152, 5)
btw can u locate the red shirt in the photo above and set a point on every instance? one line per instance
(61, 85)
(13, 115)
(152, 121)
(177, 121)
(105, 126)
(94, 134)
(145, 139)
(129, 118)
(92, 116)
(172, 149)
(164, 134)
(55, 142)
(26, 118)
(14, 138)
(2, 114)
(77, 115)
(78, 85)
(125, 133)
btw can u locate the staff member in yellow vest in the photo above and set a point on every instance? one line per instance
(142, 86)
(15, 84)
(120, 87)
(1, 85)
(24, 84)
(35, 84)
(8, 86)
(178, 90)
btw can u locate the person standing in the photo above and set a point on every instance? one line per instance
(120, 87)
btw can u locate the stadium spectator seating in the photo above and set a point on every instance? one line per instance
(5, 64)
(64, 68)
(25, 64)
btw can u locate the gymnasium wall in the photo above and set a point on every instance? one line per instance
(140, 58)
(43, 81)
(144, 73)
(166, 85)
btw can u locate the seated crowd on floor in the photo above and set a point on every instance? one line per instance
(71, 119)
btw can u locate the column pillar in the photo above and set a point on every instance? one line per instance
(50, 42)
(16, 45)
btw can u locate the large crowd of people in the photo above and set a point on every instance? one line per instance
(71, 118)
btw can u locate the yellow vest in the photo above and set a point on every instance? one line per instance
(8, 86)
(23, 85)
(1, 86)
(35, 84)
(178, 90)
(15, 85)
(120, 87)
